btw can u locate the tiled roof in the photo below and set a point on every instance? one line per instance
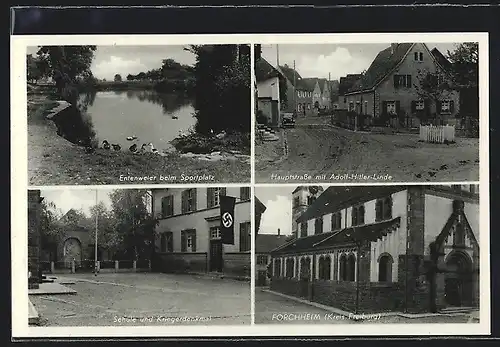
(336, 198)
(347, 82)
(382, 65)
(289, 74)
(259, 206)
(351, 235)
(264, 70)
(265, 243)
(441, 59)
(307, 83)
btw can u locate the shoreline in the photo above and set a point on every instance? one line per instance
(54, 160)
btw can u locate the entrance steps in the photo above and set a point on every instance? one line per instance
(267, 133)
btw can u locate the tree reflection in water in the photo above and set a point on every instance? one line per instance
(169, 102)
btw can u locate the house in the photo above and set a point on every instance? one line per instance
(302, 198)
(322, 94)
(385, 248)
(269, 82)
(344, 86)
(390, 91)
(188, 234)
(34, 238)
(264, 244)
(299, 92)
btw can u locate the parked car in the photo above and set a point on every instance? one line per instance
(288, 120)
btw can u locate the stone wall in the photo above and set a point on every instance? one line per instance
(237, 264)
(34, 238)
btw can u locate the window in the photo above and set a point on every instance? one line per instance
(351, 268)
(343, 268)
(383, 209)
(167, 206)
(336, 221)
(318, 225)
(351, 106)
(245, 193)
(189, 200)
(366, 107)
(391, 107)
(385, 268)
(290, 264)
(419, 105)
(324, 266)
(358, 215)
(303, 229)
(447, 106)
(418, 56)
(245, 237)
(299, 107)
(415, 56)
(262, 259)
(345, 100)
(310, 200)
(308, 106)
(305, 268)
(296, 201)
(213, 196)
(188, 240)
(459, 235)
(421, 56)
(277, 267)
(402, 81)
(473, 188)
(215, 233)
(167, 242)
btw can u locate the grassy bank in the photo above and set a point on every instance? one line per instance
(53, 161)
(197, 143)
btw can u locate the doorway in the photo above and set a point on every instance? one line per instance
(458, 280)
(216, 255)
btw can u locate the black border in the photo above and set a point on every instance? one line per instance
(290, 19)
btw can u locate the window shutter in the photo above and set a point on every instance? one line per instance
(452, 106)
(183, 241)
(195, 207)
(413, 106)
(384, 107)
(242, 237)
(438, 106)
(193, 232)
(163, 206)
(398, 107)
(170, 243)
(416, 56)
(408, 81)
(396, 81)
(184, 201)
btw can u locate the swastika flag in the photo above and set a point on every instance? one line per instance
(227, 219)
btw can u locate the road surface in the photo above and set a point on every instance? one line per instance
(321, 153)
(146, 299)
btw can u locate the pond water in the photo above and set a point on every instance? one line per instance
(147, 116)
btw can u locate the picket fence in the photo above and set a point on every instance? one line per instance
(437, 134)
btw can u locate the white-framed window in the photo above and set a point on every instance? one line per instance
(213, 196)
(419, 105)
(391, 107)
(445, 106)
(189, 243)
(215, 233)
(418, 56)
(299, 107)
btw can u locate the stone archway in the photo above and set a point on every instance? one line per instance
(458, 280)
(72, 250)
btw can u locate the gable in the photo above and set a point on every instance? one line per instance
(264, 70)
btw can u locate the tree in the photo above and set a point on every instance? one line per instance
(107, 237)
(222, 89)
(34, 72)
(51, 229)
(432, 87)
(133, 222)
(130, 77)
(465, 64)
(118, 78)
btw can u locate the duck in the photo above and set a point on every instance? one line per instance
(175, 117)
(89, 149)
(133, 148)
(132, 138)
(221, 135)
(105, 144)
(151, 148)
(143, 148)
(116, 147)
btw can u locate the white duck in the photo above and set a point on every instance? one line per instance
(221, 135)
(131, 138)
(151, 148)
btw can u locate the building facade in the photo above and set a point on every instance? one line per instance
(390, 91)
(302, 198)
(385, 248)
(264, 244)
(269, 82)
(188, 236)
(34, 238)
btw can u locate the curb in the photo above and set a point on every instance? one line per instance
(369, 316)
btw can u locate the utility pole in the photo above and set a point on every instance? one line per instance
(295, 88)
(96, 227)
(277, 57)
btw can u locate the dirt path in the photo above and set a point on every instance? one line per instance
(348, 156)
(54, 161)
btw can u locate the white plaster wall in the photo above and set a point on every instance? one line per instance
(310, 227)
(437, 213)
(269, 89)
(327, 223)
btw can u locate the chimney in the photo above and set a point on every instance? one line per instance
(393, 47)
(279, 232)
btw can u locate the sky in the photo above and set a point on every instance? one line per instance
(318, 60)
(124, 60)
(66, 199)
(278, 214)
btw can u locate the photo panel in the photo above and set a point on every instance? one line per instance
(155, 112)
(158, 257)
(364, 255)
(345, 111)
